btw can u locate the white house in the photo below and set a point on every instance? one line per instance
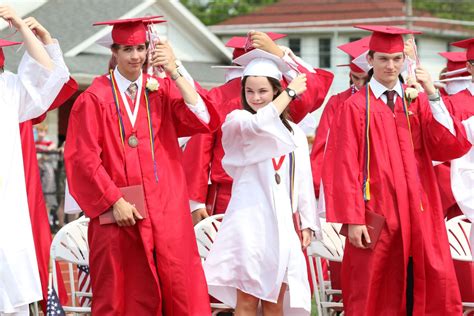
(316, 27)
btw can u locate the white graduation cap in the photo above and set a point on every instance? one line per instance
(227, 67)
(232, 71)
(454, 72)
(361, 62)
(106, 40)
(260, 63)
(465, 78)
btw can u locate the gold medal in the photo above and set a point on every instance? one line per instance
(277, 178)
(133, 141)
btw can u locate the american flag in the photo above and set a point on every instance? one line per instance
(53, 306)
(84, 284)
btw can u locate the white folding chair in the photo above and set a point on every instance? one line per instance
(331, 248)
(206, 232)
(458, 229)
(70, 245)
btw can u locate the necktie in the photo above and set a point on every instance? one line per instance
(132, 91)
(390, 99)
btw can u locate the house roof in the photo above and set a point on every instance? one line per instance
(71, 23)
(334, 13)
(285, 11)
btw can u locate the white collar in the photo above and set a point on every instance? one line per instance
(123, 84)
(453, 87)
(471, 88)
(378, 89)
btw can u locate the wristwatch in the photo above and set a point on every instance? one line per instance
(435, 96)
(291, 93)
(177, 74)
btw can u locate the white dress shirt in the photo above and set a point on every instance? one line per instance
(438, 108)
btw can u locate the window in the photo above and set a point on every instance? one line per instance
(295, 45)
(353, 39)
(324, 53)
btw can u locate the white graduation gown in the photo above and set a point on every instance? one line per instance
(22, 97)
(462, 179)
(257, 247)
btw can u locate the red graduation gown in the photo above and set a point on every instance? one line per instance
(153, 267)
(36, 204)
(374, 282)
(320, 139)
(461, 105)
(203, 153)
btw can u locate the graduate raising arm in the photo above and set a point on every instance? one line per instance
(164, 56)
(32, 44)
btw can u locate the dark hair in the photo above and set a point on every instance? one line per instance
(116, 46)
(276, 86)
(371, 71)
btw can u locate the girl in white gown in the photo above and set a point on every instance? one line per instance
(257, 254)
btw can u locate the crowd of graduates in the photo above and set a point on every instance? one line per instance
(396, 145)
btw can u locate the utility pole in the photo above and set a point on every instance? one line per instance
(409, 14)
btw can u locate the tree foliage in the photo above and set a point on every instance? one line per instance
(215, 11)
(447, 9)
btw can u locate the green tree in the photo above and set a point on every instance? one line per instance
(447, 9)
(216, 11)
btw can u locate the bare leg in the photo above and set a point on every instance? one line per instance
(61, 215)
(246, 304)
(272, 309)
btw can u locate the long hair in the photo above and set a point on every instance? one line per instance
(276, 86)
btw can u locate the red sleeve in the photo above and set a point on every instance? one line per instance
(318, 85)
(440, 142)
(341, 174)
(89, 182)
(197, 158)
(319, 145)
(66, 92)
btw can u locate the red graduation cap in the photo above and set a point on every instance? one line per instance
(238, 43)
(456, 60)
(355, 49)
(130, 31)
(5, 43)
(469, 45)
(386, 39)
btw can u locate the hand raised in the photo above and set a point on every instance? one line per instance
(40, 31)
(9, 15)
(298, 84)
(163, 55)
(262, 41)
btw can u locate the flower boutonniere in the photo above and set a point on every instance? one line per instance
(411, 94)
(152, 84)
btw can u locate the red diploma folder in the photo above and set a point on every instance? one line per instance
(374, 222)
(132, 194)
(211, 198)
